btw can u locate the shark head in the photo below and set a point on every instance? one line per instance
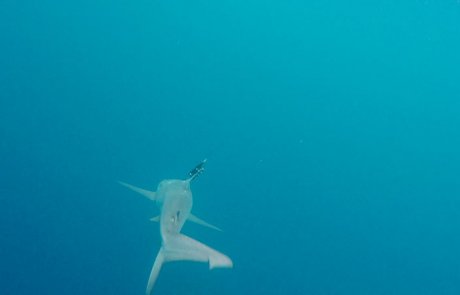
(172, 189)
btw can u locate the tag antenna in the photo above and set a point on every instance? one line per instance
(197, 170)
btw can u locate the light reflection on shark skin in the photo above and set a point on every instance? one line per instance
(175, 201)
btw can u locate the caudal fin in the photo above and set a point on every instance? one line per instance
(180, 247)
(155, 271)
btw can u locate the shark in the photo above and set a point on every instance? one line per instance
(174, 199)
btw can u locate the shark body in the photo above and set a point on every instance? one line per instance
(175, 201)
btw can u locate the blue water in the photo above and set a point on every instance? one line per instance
(331, 128)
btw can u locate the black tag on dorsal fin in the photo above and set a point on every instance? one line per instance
(197, 170)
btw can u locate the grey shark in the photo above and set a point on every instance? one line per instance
(174, 198)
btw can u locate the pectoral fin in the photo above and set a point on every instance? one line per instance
(148, 194)
(155, 219)
(199, 221)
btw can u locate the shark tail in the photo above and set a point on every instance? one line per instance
(180, 247)
(155, 271)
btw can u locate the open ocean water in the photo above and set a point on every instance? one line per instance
(331, 129)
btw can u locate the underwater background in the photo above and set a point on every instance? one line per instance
(331, 129)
